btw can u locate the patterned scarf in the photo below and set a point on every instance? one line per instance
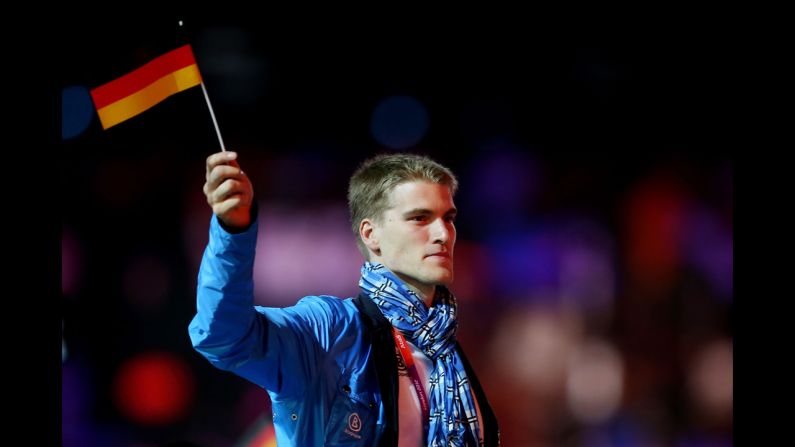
(452, 407)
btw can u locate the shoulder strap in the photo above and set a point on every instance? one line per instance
(383, 352)
(491, 437)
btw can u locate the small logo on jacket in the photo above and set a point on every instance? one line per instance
(354, 426)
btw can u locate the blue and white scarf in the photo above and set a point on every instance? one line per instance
(452, 406)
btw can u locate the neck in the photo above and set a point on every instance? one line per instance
(426, 292)
(426, 297)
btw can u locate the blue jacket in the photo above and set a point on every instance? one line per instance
(328, 364)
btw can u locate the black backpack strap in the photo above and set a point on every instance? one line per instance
(383, 352)
(491, 437)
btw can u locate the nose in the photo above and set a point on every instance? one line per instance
(440, 232)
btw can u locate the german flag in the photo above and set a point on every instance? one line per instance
(141, 89)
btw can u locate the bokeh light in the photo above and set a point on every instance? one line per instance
(77, 111)
(399, 122)
(500, 191)
(292, 241)
(655, 216)
(64, 351)
(711, 381)
(595, 382)
(545, 340)
(154, 388)
(707, 246)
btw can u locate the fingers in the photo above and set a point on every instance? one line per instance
(231, 202)
(229, 191)
(225, 210)
(220, 174)
(230, 188)
(220, 158)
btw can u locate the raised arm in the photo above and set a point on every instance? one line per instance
(278, 349)
(226, 329)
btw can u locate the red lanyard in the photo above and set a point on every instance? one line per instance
(408, 359)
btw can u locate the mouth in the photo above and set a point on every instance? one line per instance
(445, 255)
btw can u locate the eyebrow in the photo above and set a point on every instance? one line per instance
(425, 212)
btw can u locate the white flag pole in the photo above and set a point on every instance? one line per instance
(212, 114)
(210, 106)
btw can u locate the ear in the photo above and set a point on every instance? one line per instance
(369, 234)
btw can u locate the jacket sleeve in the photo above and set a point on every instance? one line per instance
(278, 349)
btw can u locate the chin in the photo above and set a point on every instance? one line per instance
(445, 279)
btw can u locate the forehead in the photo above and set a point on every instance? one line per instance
(420, 194)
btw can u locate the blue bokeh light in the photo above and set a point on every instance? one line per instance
(77, 111)
(399, 122)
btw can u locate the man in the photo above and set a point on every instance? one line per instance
(382, 368)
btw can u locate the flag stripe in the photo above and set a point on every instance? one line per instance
(141, 100)
(139, 79)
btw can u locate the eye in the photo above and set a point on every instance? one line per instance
(417, 218)
(450, 219)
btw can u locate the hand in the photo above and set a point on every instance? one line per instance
(229, 191)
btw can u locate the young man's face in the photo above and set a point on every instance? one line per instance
(416, 235)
